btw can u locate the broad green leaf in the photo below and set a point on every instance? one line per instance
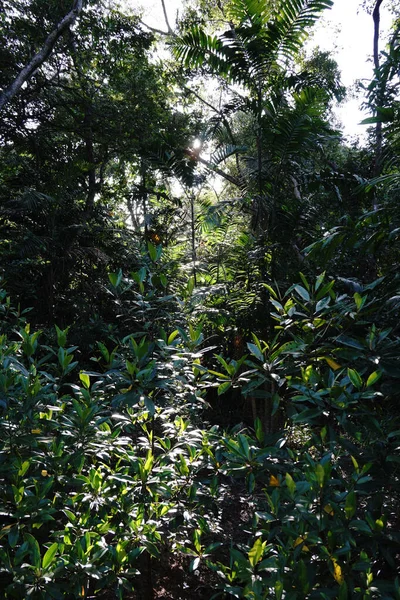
(350, 505)
(332, 363)
(34, 548)
(373, 378)
(172, 336)
(152, 251)
(290, 484)
(49, 555)
(355, 463)
(302, 292)
(259, 430)
(256, 341)
(184, 469)
(255, 351)
(320, 473)
(149, 404)
(278, 590)
(224, 387)
(256, 552)
(61, 336)
(319, 280)
(229, 368)
(324, 290)
(244, 446)
(85, 379)
(359, 300)
(115, 278)
(190, 286)
(148, 465)
(355, 378)
(23, 468)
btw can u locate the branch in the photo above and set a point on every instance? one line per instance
(169, 28)
(224, 120)
(153, 29)
(194, 156)
(40, 57)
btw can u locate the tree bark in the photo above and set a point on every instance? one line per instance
(378, 126)
(42, 55)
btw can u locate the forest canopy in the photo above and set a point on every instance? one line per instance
(199, 306)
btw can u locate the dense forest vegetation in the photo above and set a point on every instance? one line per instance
(200, 305)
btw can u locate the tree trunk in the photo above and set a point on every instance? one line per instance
(379, 98)
(42, 55)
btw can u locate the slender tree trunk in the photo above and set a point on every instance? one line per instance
(88, 135)
(193, 232)
(378, 127)
(144, 196)
(41, 56)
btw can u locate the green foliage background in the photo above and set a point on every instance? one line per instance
(199, 336)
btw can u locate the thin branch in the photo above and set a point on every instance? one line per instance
(194, 156)
(40, 57)
(153, 29)
(225, 122)
(170, 31)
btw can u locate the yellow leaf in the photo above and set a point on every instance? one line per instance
(337, 572)
(300, 540)
(329, 510)
(332, 363)
(297, 542)
(274, 481)
(44, 473)
(35, 430)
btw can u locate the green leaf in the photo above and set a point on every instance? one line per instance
(319, 280)
(244, 446)
(324, 290)
(85, 379)
(259, 430)
(23, 468)
(115, 278)
(34, 548)
(255, 351)
(190, 286)
(224, 387)
(320, 473)
(49, 555)
(229, 368)
(271, 290)
(355, 463)
(343, 592)
(359, 300)
(149, 404)
(302, 292)
(152, 251)
(172, 336)
(290, 484)
(355, 378)
(304, 280)
(278, 590)
(256, 552)
(373, 378)
(350, 505)
(61, 336)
